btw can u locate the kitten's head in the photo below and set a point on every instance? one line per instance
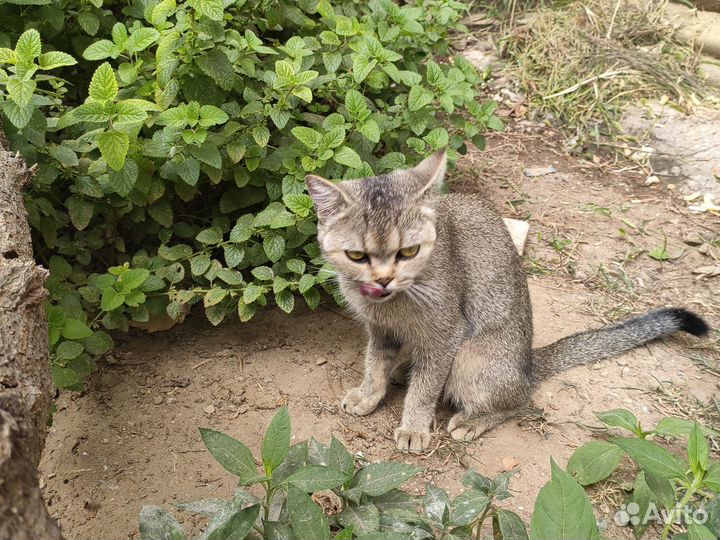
(379, 232)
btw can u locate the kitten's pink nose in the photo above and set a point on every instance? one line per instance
(384, 281)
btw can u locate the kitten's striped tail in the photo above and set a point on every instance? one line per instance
(594, 345)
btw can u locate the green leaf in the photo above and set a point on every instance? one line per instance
(63, 154)
(652, 458)
(363, 519)
(141, 39)
(162, 212)
(67, 350)
(594, 461)
(7, 56)
(314, 478)
(20, 92)
(274, 246)
(467, 506)
(348, 157)
(563, 510)
(277, 441)
(509, 525)
(123, 181)
(18, 116)
(696, 531)
(233, 455)
(678, 427)
(211, 236)
(308, 136)
(234, 255)
(209, 154)
(712, 477)
(661, 489)
(213, 9)
(215, 64)
(231, 277)
(157, 524)
(299, 203)
(378, 478)
(129, 113)
(436, 503)
(99, 343)
(243, 229)
(28, 46)
(103, 86)
(713, 511)
(307, 519)
(698, 450)
(214, 296)
(619, 418)
(263, 273)
(438, 138)
(92, 111)
(238, 525)
(189, 170)
(251, 293)
(370, 130)
(55, 59)
(132, 279)
(296, 265)
(285, 300)
(419, 97)
(81, 211)
(212, 116)
(362, 66)
(75, 329)
(101, 49)
(199, 264)
(114, 147)
(111, 299)
(89, 22)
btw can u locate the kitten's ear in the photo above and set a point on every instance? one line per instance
(329, 198)
(430, 173)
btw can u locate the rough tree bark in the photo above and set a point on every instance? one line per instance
(25, 385)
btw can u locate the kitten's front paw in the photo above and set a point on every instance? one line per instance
(359, 403)
(412, 440)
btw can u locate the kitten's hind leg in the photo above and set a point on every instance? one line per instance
(468, 428)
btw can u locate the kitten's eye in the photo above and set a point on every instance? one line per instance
(357, 256)
(408, 252)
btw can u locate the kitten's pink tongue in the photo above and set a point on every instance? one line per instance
(369, 290)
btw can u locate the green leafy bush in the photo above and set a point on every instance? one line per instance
(172, 153)
(372, 505)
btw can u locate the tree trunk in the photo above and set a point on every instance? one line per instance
(25, 384)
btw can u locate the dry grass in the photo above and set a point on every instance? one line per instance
(584, 61)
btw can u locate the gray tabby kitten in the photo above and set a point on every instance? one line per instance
(440, 276)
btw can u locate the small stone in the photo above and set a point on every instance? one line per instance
(320, 361)
(533, 172)
(693, 239)
(210, 409)
(157, 400)
(650, 180)
(106, 441)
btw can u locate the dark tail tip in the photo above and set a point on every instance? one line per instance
(689, 322)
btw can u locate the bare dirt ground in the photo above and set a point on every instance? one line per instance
(131, 438)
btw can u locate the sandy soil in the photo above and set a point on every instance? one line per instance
(131, 438)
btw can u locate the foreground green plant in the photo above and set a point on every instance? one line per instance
(173, 140)
(676, 485)
(371, 505)
(369, 501)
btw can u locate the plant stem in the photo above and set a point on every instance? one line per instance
(683, 502)
(482, 519)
